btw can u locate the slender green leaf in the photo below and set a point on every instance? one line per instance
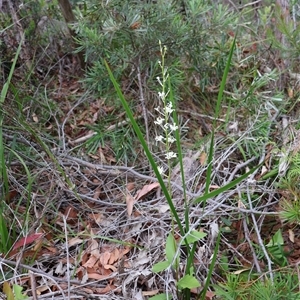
(223, 82)
(217, 112)
(11, 72)
(212, 266)
(5, 240)
(3, 94)
(226, 187)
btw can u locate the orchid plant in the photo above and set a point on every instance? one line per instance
(167, 121)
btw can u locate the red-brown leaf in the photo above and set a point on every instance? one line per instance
(27, 240)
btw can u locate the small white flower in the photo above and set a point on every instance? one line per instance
(159, 138)
(169, 108)
(160, 170)
(161, 95)
(171, 139)
(159, 121)
(173, 127)
(170, 155)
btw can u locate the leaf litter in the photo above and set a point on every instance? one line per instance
(116, 222)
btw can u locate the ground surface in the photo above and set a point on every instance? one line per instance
(87, 217)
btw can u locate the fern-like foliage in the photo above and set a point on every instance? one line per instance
(290, 203)
(294, 171)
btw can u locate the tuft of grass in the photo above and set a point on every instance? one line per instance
(245, 286)
(5, 240)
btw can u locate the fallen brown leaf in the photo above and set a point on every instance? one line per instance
(105, 290)
(129, 202)
(145, 190)
(91, 262)
(27, 240)
(110, 267)
(104, 258)
(97, 276)
(74, 241)
(114, 256)
(97, 193)
(130, 186)
(94, 248)
(202, 158)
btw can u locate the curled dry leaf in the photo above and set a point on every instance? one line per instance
(114, 256)
(129, 202)
(97, 193)
(107, 289)
(97, 276)
(291, 236)
(125, 250)
(74, 241)
(94, 247)
(35, 118)
(104, 258)
(91, 262)
(110, 267)
(130, 186)
(41, 289)
(203, 158)
(82, 274)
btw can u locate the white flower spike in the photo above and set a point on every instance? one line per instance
(159, 138)
(159, 121)
(171, 139)
(170, 155)
(169, 108)
(173, 127)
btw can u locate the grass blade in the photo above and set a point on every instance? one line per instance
(217, 112)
